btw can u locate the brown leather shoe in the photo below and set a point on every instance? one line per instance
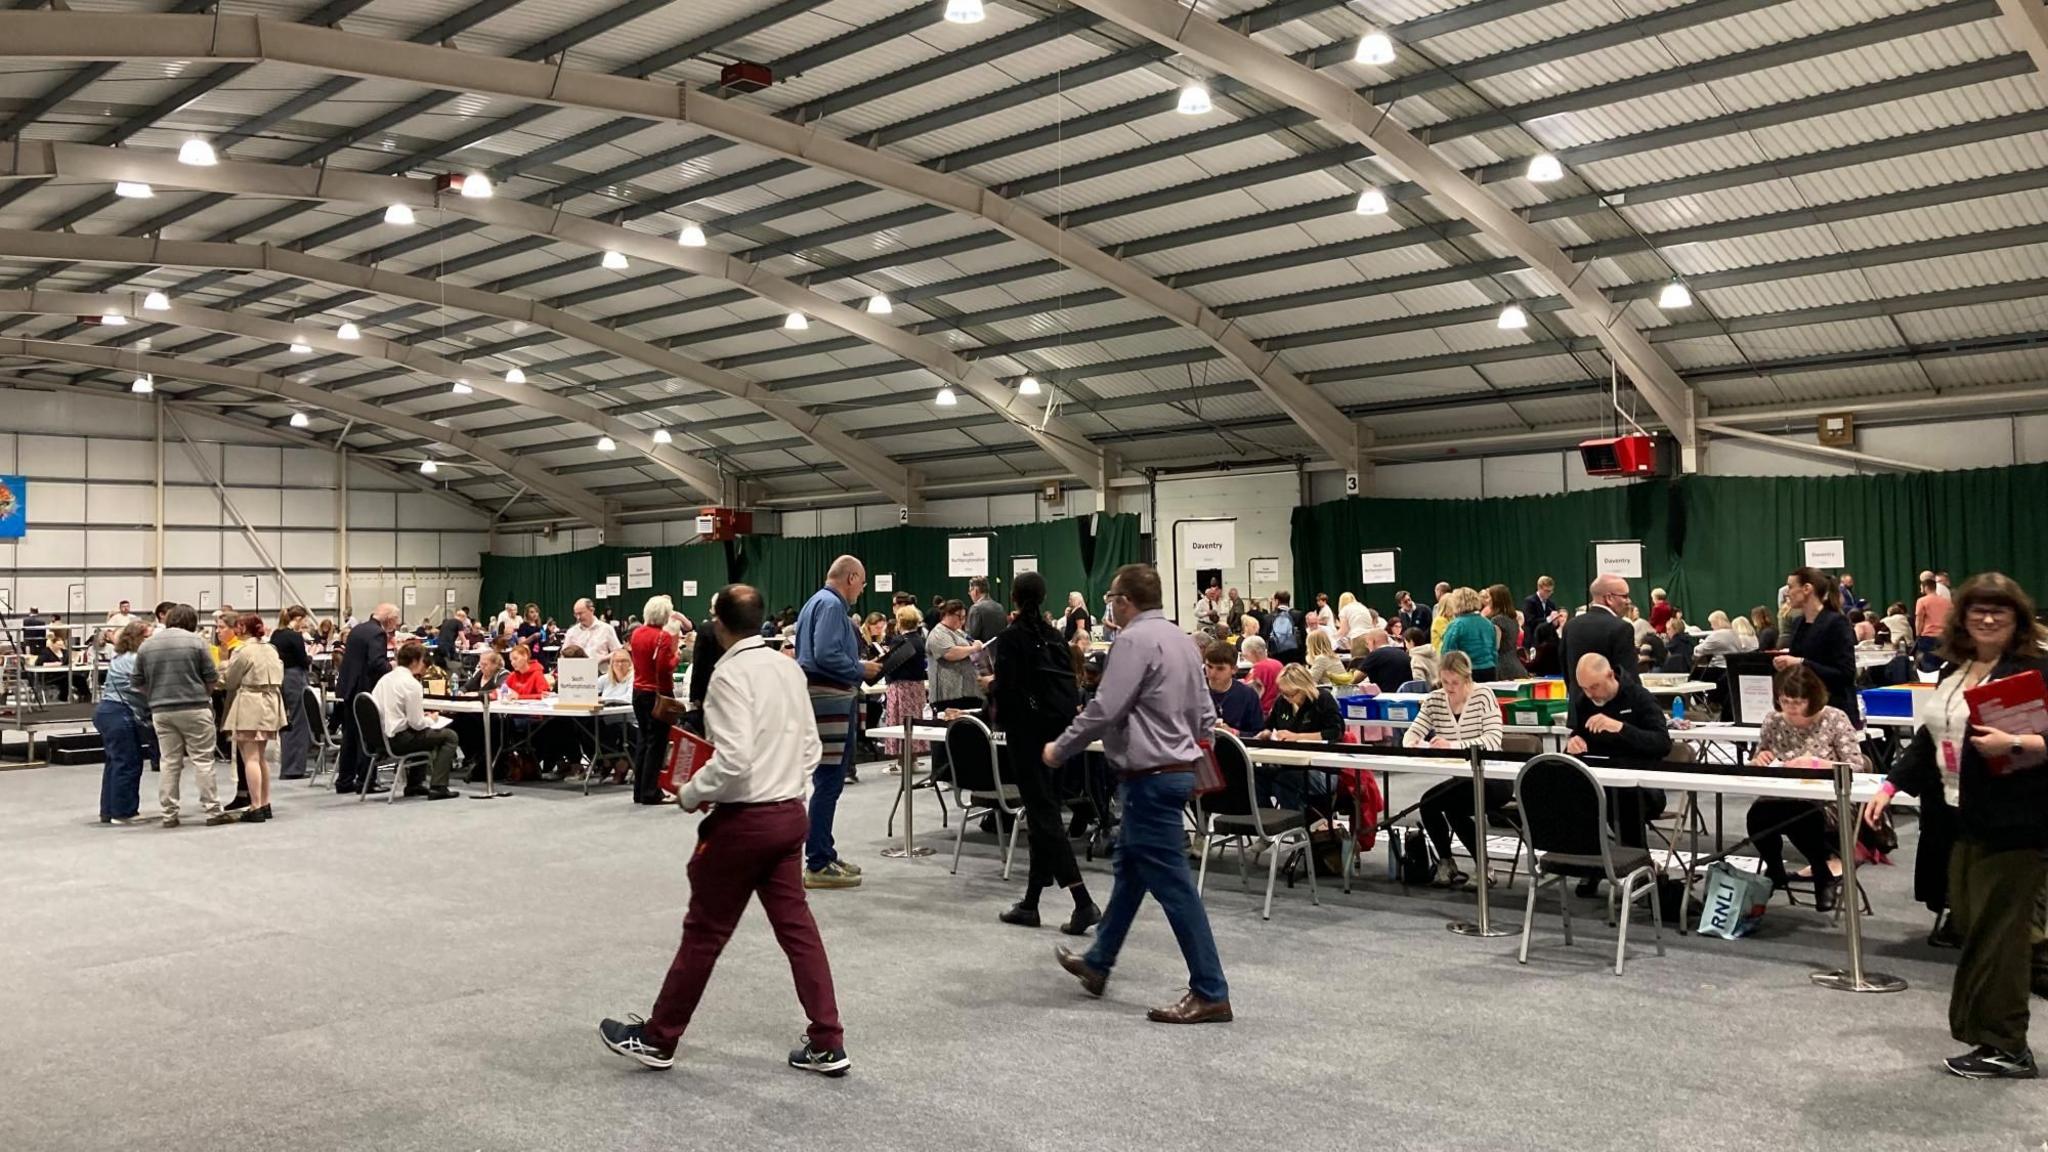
(1192, 1009)
(1092, 982)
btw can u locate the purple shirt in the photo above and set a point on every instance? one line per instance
(1153, 702)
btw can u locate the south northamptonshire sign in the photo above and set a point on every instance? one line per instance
(13, 507)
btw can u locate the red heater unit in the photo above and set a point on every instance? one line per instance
(745, 76)
(1627, 456)
(724, 523)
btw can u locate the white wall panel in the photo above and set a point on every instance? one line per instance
(238, 555)
(544, 546)
(246, 464)
(461, 549)
(418, 549)
(308, 508)
(37, 591)
(186, 589)
(371, 550)
(421, 510)
(189, 549)
(55, 502)
(2032, 436)
(62, 549)
(178, 467)
(108, 548)
(649, 535)
(1538, 475)
(52, 456)
(372, 510)
(120, 460)
(1955, 444)
(1744, 458)
(871, 517)
(7, 441)
(308, 550)
(364, 478)
(307, 467)
(835, 521)
(1429, 480)
(103, 594)
(194, 506)
(261, 507)
(121, 504)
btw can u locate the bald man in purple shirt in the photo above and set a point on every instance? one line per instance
(1149, 712)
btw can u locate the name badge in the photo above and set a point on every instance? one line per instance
(1951, 760)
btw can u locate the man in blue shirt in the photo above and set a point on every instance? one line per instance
(828, 651)
(1237, 703)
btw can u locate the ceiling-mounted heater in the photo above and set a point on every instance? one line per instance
(1639, 455)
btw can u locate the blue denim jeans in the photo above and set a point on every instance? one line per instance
(828, 780)
(121, 777)
(1152, 856)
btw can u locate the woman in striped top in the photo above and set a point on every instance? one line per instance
(1457, 715)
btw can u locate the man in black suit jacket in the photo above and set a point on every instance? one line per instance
(451, 631)
(1540, 603)
(365, 658)
(1601, 630)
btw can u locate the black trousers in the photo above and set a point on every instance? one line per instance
(652, 752)
(1052, 854)
(1447, 809)
(1808, 831)
(348, 766)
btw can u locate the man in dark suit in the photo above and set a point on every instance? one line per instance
(1619, 718)
(451, 631)
(365, 658)
(1540, 603)
(1600, 630)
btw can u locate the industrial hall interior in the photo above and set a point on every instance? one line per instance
(1023, 575)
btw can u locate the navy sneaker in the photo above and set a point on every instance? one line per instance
(824, 1061)
(1987, 1063)
(630, 1040)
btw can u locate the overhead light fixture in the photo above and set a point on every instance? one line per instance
(1675, 295)
(1028, 386)
(964, 12)
(1375, 48)
(144, 384)
(462, 388)
(113, 320)
(476, 186)
(607, 444)
(300, 347)
(428, 468)
(878, 305)
(691, 236)
(946, 399)
(515, 375)
(301, 420)
(156, 302)
(1194, 100)
(1512, 317)
(1545, 168)
(661, 436)
(616, 261)
(1372, 202)
(348, 331)
(198, 153)
(795, 322)
(399, 214)
(133, 190)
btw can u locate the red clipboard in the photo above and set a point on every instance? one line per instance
(2017, 704)
(687, 752)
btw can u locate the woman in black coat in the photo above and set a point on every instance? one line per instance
(1034, 697)
(1822, 638)
(2000, 789)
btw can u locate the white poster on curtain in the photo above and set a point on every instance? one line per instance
(611, 586)
(885, 582)
(1207, 544)
(966, 556)
(640, 571)
(448, 597)
(1377, 566)
(1829, 553)
(689, 587)
(1019, 565)
(1623, 558)
(410, 596)
(598, 592)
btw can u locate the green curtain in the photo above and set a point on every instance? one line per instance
(1721, 542)
(1118, 541)
(555, 582)
(788, 569)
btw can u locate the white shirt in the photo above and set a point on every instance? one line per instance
(598, 641)
(1358, 619)
(757, 714)
(615, 691)
(400, 701)
(120, 620)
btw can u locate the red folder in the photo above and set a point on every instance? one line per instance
(2017, 704)
(687, 752)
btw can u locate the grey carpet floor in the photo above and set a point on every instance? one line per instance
(429, 976)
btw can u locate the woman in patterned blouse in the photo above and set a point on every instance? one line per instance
(1804, 731)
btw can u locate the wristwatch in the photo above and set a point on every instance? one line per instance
(2015, 745)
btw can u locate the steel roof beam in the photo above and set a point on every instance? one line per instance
(257, 383)
(872, 466)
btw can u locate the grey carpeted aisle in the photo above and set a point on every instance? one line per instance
(429, 976)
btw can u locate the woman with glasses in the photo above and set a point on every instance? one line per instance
(1998, 790)
(1805, 731)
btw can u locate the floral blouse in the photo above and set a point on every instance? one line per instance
(1830, 737)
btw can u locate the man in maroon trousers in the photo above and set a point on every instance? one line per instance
(757, 714)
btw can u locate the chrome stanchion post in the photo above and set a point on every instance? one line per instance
(1484, 926)
(1853, 978)
(490, 792)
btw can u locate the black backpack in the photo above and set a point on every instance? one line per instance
(1054, 695)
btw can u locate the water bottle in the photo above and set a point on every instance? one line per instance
(1678, 708)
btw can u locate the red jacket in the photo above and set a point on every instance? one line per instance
(654, 660)
(532, 685)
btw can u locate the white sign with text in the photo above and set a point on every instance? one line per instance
(1377, 567)
(1830, 553)
(576, 679)
(1207, 544)
(640, 571)
(966, 556)
(1623, 558)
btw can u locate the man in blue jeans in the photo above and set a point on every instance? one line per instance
(828, 651)
(1150, 710)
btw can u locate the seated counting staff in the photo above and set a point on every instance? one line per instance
(1265, 671)
(1805, 730)
(1457, 715)
(1618, 718)
(1300, 712)
(1385, 664)
(1237, 703)
(401, 702)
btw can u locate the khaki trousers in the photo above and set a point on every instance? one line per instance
(186, 737)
